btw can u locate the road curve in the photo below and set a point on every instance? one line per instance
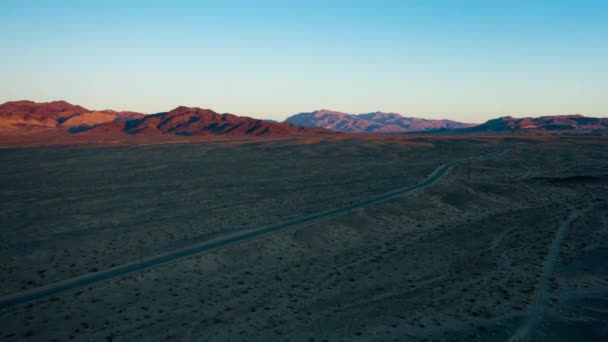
(122, 270)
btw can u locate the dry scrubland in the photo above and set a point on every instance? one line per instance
(464, 259)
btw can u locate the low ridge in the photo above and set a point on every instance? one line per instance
(574, 123)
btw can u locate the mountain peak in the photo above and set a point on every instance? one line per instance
(375, 122)
(327, 112)
(378, 115)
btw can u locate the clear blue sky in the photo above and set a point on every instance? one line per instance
(464, 60)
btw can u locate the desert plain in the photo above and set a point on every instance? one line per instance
(510, 247)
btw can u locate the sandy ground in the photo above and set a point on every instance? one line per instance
(69, 211)
(465, 259)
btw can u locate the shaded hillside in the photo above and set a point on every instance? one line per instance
(376, 122)
(61, 118)
(188, 121)
(412, 124)
(31, 115)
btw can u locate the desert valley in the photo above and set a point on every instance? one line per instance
(195, 225)
(370, 170)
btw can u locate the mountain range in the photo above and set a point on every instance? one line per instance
(186, 121)
(376, 122)
(60, 117)
(30, 117)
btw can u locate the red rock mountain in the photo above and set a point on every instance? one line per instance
(61, 119)
(60, 116)
(376, 122)
(29, 115)
(188, 121)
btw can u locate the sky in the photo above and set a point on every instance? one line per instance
(462, 60)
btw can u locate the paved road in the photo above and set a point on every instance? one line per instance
(122, 270)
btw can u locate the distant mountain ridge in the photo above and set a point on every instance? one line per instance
(60, 118)
(375, 122)
(188, 121)
(31, 117)
(556, 123)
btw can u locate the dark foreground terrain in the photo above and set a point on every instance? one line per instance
(512, 247)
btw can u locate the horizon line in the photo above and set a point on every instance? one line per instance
(313, 111)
